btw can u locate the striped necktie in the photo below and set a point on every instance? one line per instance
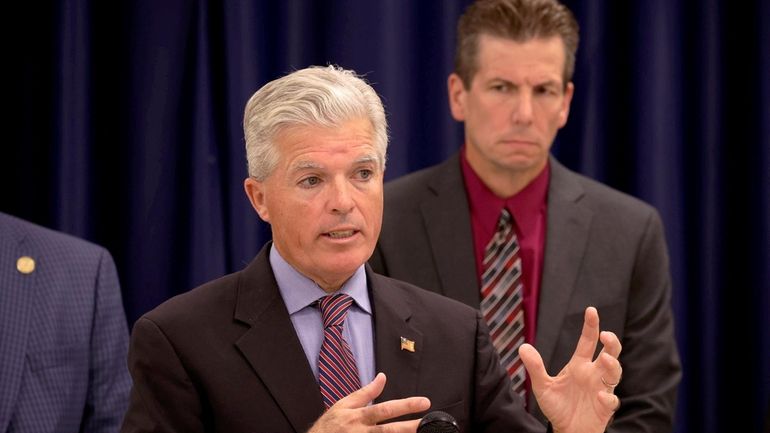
(502, 292)
(337, 371)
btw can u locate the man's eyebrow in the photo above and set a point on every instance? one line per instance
(367, 159)
(546, 82)
(500, 80)
(312, 165)
(305, 165)
(549, 83)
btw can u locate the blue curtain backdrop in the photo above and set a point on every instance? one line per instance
(123, 119)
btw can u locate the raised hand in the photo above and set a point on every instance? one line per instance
(351, 414)
(580, 398)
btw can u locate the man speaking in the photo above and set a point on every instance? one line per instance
(307, 337)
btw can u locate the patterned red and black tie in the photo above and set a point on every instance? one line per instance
(337, 371)
(502, 292)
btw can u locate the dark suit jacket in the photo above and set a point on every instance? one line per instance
(63, 334)
(225, 357)
(603, 248)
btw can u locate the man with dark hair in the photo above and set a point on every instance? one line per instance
(573, 241)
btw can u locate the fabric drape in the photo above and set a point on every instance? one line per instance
(123, 126)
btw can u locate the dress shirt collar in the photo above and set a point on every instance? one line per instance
(299, 291)
(525, 206)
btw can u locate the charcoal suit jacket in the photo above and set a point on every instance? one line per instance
(602, 248)
(225, 357)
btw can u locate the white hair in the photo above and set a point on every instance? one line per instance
(318, 96)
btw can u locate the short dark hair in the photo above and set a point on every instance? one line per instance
(518, 20)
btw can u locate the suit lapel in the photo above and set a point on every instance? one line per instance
(566, 239)
(391, 323)
(272, 347)
(16, 299)
(448, 224)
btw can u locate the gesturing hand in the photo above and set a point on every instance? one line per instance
(351, 414)
(580, 398)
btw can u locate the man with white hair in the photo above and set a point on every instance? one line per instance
(286, 344)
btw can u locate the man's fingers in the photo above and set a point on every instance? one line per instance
(384, 411)
(589, 336)
(398, 427)
(366, 394)
(612, 372)
(390, 409)
(352, 413)
(533, 362)
(611, 402)
(611, 343)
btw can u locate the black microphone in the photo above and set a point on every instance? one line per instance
(438, 422)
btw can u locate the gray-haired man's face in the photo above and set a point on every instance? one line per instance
(323, 199)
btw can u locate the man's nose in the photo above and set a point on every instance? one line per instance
(522, 108)
(341, 197)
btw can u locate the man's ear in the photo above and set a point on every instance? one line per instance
(456, 93)
(569, 91)
(255, 191)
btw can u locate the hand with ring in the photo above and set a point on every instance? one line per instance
(611, 386)
(576, 400)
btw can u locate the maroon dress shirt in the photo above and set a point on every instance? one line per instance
(529, 210)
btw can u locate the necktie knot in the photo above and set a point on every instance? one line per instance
(504, 238)
(505, 221)
(334, 309)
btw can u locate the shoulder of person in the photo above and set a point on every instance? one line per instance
(418, 181)
(605, 200)
(198, 304)
(43, 240)
(424, 300)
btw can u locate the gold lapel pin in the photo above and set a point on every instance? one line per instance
(25, 265)
(407, 344)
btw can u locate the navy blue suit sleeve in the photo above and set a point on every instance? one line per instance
(109, 381)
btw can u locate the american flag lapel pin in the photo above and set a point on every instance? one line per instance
(407, 344)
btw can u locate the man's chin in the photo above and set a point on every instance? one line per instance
(337, 273)
(522, 163)
(344, 262)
